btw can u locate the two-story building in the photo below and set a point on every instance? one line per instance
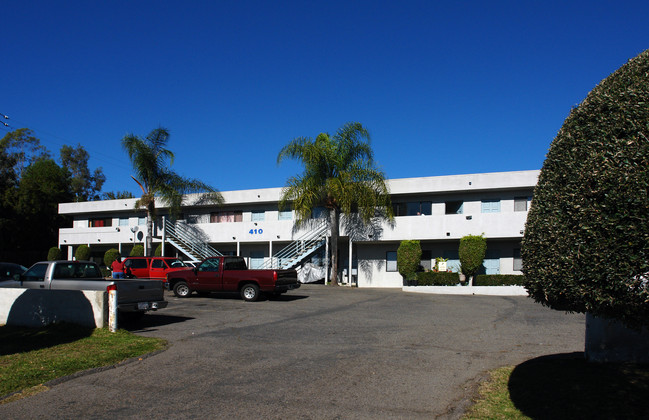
(437, 211)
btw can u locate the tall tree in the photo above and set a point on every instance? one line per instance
(340, 176)
(43, 186)
(151, 160)
(8, 188)
(85, 185)
(24, 147)
(116, 195)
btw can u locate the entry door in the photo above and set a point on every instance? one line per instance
(158, 269)
(492, 261)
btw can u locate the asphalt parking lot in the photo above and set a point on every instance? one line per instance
(316, 353)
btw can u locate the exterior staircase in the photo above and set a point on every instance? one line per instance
(188, 241)
(298, 249)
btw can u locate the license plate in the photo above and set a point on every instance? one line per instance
(143, 305)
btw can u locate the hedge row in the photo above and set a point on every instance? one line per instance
(499, 280)
(432, 278)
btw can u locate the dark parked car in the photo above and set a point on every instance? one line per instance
(9, 270)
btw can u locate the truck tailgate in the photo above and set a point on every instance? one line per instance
(286, 277)
(139, 290)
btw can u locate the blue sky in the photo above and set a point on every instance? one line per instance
(444, 87)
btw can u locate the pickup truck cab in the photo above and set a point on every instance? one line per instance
(152, 267)
(136, 296)
(231, 274)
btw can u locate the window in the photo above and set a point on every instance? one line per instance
(391, 261)
(141, 221)
(518, 261)
(100, 222)
(319, 213)
(35, 273)
(412, 208)
(520, 203)
(400, 209)
(158, 264)
(123, 221)
(490, 206)
(454, 207)
(234, 263)
(285, 215)
(258, 215)
(135, 263)
(211, 264)
(226, 217)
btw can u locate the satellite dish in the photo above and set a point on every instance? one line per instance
(134, 229)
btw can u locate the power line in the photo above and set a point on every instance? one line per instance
(96, 155)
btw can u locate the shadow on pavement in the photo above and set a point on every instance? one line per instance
(149, 321)
(566, 386)
(235, 296)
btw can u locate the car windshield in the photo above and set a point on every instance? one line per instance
(176, 263)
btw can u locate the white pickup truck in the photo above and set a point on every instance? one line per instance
(133, 296)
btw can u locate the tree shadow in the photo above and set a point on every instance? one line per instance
(16, 339)
(566, 386)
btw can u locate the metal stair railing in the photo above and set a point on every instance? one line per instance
(298, 249)
(188, 242)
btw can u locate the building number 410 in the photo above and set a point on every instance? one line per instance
(256, 231)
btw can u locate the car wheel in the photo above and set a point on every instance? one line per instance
(181, 289)
(250, 292)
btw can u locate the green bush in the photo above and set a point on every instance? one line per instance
(82, 253)
(408, 259)
(158, 251)
(54, 254)
(110, 256)
(432, 278)
(499, 280)
(137, 251)
(471, 252)
(586, 242)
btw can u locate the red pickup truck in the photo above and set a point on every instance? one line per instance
(152, 267)
(231, 274)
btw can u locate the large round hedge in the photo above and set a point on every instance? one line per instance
(586, 243)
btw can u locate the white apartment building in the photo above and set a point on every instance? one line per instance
(437, 211)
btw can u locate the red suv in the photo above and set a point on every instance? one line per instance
(152, 267)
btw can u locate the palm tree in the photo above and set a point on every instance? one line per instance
(339, 176)
(149, 157)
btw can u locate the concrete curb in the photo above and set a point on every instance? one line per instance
(469, 290)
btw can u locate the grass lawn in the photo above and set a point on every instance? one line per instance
(30, 357)
(564, 387)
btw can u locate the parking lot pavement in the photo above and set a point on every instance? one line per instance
(316, 353)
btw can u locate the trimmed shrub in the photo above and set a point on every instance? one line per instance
(54, 254)
(82, 253)
(499, 280)
(471, 252)
(586, 242)
(408, 259)
(137, 251)
(110, 256)
(158, 251)
(432, 278)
